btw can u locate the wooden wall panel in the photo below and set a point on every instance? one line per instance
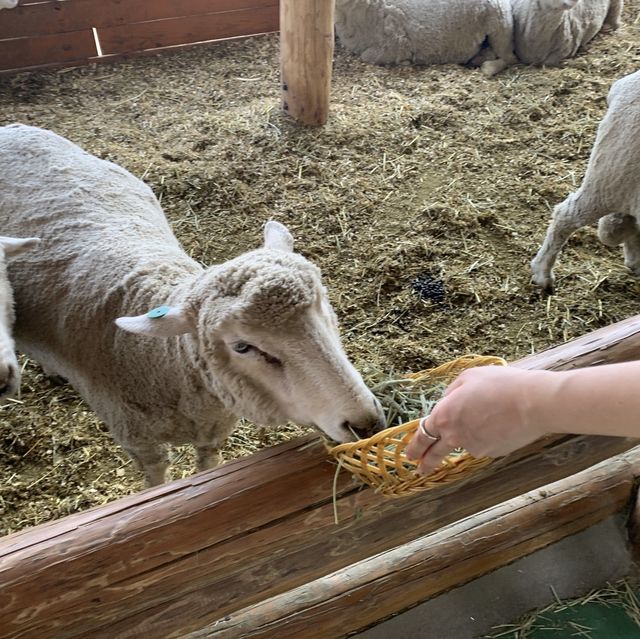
(165, 33)
(18, 53)
(54, 16)
(59, 32)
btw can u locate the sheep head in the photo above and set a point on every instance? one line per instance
(268, 344)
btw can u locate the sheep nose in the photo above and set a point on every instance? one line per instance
(362, 429)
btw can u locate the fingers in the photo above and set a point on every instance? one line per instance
(420, 442)
(433, 457)
(456, 383)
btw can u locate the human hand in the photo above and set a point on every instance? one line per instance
(489, 411)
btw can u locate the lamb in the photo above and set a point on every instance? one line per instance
(9, 369)
(165, 351)
(610, 191)
(428, 31)
(8, 4)
(548, 31)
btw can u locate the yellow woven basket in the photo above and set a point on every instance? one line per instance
(380, 461)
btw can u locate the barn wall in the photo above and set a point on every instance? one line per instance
(52, 33)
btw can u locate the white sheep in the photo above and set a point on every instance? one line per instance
(254, 336)
(610, 190)
(428, 31)
(9, 369)
(8, 4)
(548, 31)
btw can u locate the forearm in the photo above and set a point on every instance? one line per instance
(601, 400)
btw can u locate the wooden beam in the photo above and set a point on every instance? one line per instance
(51, 17)
(156, 34)
(377, 587)
(306, 58)
(52, 33)
(175, 558)
(76, 47)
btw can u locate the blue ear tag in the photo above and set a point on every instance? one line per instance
(161, 311)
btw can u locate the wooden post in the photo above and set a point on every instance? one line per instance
(306, 58)
(173, 559)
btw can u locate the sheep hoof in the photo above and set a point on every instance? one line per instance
(56, 380)
(491, 67)
(545, 282)
(634, 267)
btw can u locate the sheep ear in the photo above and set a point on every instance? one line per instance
(16, 245)
(159, 322)
(277, 236)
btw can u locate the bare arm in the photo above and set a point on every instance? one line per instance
(493, 410)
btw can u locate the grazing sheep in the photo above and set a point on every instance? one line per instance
(254, 336)
(428, 31)
(610, 190)
(548, 31)
(9, 369)
(8, 4)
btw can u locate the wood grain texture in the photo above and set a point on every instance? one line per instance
(54, 33)
(164, 33)
(19, 53)
(45, 18)
(173, 559)
(364, 593)
(306, 58)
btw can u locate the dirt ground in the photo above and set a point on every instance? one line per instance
(423, 200)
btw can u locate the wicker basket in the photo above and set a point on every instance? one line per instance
(380, 461)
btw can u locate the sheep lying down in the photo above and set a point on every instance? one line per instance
(490, 33)
(164, 350)
(549, 31)
(427, 31)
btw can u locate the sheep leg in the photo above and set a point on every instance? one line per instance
(615, 228)
(207, 457)
(376, 55)
(619, 228)
(55, 378)
(492, 67)
(152, 460)
(501, 44)
(568, 216)
(612, 21)
(632, 253)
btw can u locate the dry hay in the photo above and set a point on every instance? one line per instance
(422, 200)
(562, 618)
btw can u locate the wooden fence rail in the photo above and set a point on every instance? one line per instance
(180, 557)
(50, 33)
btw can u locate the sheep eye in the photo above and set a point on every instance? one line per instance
(242, 347)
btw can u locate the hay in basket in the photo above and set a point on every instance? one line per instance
(380, 460)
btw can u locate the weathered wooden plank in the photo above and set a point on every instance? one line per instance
(306, 58)
(59, 48)
(619, 342)
(379, 586)
(45, 18)
(175, 558)
(309, 544)
(163, 33)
